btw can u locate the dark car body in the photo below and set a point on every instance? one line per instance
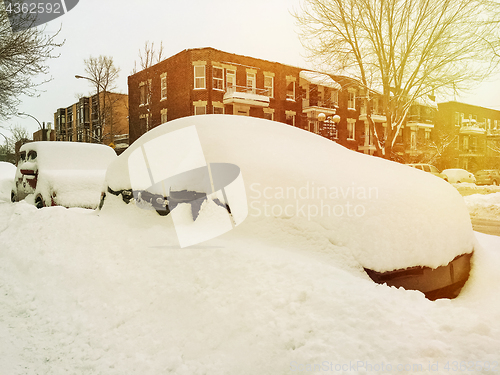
(488, 177)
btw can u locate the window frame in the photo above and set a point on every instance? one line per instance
(351, 128)
(196, 107)
(200, 78)
(252, 78)
(291, 96)
(351, 99)
(218, 80)
(163, 87)
(269, 88)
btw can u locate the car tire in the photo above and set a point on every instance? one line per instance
(101, 202)
(495, 182)
(13, 197)
(39, 203)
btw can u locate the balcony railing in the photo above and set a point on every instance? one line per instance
(246, 95)
(493, 132)
(246, 89)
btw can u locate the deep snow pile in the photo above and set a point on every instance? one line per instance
(465, 189)
(7, 175)
(114, 294)
(484, 206)
(388, 215)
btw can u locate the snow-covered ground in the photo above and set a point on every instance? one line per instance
(484, 206)
(82, 293)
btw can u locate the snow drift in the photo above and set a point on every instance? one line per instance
(387, 215)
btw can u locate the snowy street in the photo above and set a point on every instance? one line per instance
(111, 294)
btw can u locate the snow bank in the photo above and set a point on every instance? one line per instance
(389, 216)
(485, 206)
(113, 294)
(7, 176)
(71, 188)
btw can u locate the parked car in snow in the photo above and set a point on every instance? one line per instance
(488, 177)
(7, 175)
(428, 168)
(457, 175)
(415, 234)
(68, 174)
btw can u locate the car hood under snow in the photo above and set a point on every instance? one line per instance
(387, 215)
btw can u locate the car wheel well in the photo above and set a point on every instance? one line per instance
(39, 202)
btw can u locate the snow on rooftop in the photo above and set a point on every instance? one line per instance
(320, 79)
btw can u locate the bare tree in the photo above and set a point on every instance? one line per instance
(406, 49)
(103, 74)
(23, 56)
(148, 57)
(18, 133)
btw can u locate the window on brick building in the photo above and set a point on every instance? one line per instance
(251, 82)
(334, 97)
(269, 86)
(199, 77)
(231, 80)
(200, 109)
(413, 140)
(375, 106)
(164, 86)
(218, 110)
(164, 117)
(290, 118)
(144, 92)
(218, 78)
(290, 89)
(351, 101)
(268, 114)
(351, 129)
(465, 143)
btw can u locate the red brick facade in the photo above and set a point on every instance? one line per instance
(276, 91)
(207, 80)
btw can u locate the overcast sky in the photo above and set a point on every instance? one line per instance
(119, 28)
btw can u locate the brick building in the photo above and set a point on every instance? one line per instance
(469, 136)
(80, 122)
(206, 81)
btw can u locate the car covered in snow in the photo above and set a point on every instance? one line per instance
(68, 174)
(458, 175)
(195, 172)
(7, 175)
(428, 168)
(488, 177)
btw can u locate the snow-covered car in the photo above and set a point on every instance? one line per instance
(416, 234)
(457, 176)
(69, 174)
(428, 168)
(488, 177)
(7, 175)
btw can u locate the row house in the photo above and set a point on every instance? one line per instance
(414, 142)
(209, 81)
(469, 136)
(81, 121)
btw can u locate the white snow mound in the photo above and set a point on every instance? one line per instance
(388, 215)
